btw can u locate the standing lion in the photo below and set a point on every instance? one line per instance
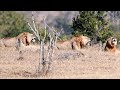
(111, 45)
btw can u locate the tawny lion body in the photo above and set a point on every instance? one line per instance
(111, 45)
(80, 41)
(23, 39)
(74, 43)
(8, 42)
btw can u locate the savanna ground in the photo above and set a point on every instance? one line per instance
(67, 64)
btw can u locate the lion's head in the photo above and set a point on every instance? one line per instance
(28, 38)
(111, 44)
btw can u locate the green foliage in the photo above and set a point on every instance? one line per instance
(64, 37)
(104, 35)
(117, 35)
(11, 24)
(90, 23)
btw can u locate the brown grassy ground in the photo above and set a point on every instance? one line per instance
(66, 65)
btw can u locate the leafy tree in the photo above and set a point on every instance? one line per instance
(92, 24)
(11, 24)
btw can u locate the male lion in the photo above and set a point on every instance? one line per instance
(7, 42)
(64, 45)
(75, 43)
(111, 45)
(23, 39)
(79, 42)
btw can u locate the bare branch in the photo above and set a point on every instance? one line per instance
(33, 20)
(37, 35)
(50, 29)
(45, 31)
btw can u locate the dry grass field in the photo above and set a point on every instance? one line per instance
(67, 64)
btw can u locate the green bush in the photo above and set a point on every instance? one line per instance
(64, 37)
(12, 23)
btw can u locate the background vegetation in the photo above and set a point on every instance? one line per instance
(98, 25)
(11, 24)
(92, 24)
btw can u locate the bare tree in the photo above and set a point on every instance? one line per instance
(45, 59)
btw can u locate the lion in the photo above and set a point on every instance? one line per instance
(75, 43)
(7, 42)
(79, 42)
(64, 45)
(23, 39)
(111, 45)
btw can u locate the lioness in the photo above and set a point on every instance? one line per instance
(74, 43)
(23, 39)
(111, 45)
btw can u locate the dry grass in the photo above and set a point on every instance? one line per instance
(67, 64)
